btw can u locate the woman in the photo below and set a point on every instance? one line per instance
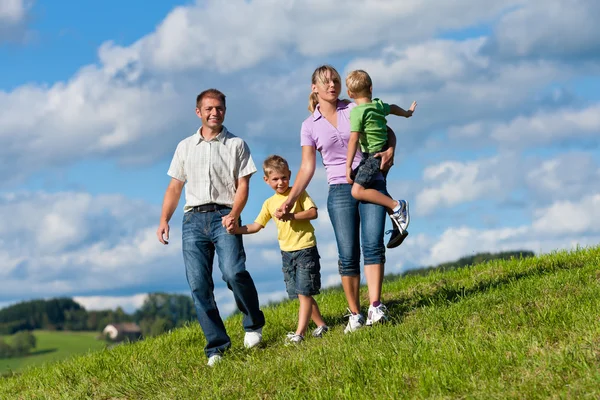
(327, 130)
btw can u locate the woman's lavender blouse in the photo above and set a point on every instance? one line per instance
(332, 143)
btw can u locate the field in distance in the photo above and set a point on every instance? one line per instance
(52, 346)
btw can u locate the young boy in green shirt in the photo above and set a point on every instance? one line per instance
(369, 127)
(301, 266)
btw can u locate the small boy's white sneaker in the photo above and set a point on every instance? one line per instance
(355, 322)
(320, 331)
(214, 359)
(253, 338)
(401, 217)
(376, 314)
(293, 338)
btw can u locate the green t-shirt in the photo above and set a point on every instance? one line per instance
(369, 120)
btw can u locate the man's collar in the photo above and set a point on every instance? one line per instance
(221, 137)
(340, 106)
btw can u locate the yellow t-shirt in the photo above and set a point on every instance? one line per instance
(292, 235)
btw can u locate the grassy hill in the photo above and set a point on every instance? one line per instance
(524, 328)
(52, 346)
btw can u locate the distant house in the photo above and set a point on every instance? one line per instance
(123, 331)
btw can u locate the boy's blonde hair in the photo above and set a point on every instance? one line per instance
(275, 163)
(359, 83)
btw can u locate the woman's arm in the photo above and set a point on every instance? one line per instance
(305, 174)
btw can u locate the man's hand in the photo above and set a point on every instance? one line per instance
(229, 222)
(163, 232)
(349, 175)
(387, 159)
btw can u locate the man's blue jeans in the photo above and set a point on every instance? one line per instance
(203, 234)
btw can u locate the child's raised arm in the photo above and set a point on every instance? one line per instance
(399, 111)
(247, 229)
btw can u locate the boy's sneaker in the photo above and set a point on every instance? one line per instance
(214, 359)
(293, 338)
(397, 238)
(320, 331)
(376, 314)
(355, 322)
(401, 218)
(253, 338)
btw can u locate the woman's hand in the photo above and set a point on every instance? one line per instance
(387, 159)
(349, 175)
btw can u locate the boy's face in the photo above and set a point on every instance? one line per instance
(279, 181)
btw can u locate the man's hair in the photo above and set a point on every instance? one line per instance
(359, 83)
(214, 93)
(275, 163)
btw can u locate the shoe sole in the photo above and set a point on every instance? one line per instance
(397, 240)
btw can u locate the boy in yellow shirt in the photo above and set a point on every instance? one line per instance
(301, 266)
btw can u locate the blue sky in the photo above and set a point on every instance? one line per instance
(502, 153)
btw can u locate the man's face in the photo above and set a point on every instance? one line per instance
(211, 112)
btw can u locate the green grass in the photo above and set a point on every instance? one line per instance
(524, 328)
(52, 346)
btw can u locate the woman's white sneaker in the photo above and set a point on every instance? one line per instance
(376, 314)
(355, 322)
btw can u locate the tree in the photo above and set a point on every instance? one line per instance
(159, 326)
(6, 350)
(23, 342)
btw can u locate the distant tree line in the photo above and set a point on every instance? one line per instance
(159, 313)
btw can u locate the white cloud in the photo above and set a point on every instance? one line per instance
(546, 128)
(13, 16)
(550, 28)
(128, 303)
(73, 243)
(452, 182)
(569, 217)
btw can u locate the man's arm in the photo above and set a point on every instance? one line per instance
(352, 147)
(399, 111)
(239, 202)
(170, 201)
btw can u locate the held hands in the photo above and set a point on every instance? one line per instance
(282, 213)
(230, 223)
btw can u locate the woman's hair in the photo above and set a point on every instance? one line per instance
(275, 163)
(320, 77)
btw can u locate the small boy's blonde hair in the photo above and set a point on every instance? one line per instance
(359, 83)
(275, 163)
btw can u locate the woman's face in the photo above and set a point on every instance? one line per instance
(328, 90)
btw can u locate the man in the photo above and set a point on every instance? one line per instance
(216, 165)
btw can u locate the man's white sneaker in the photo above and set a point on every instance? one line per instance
(253, 338)
(376, 314)
(355, 322)
(215, 358)
(293, 338)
